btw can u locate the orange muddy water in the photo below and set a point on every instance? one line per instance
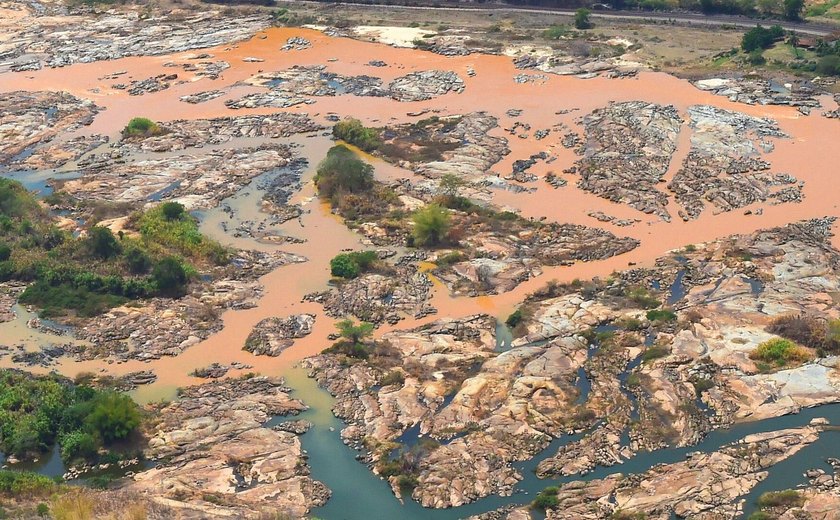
(810, 155)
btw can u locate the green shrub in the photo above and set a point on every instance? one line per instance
(582, 20)
(170, 277)
(779, 352)
(661, 315)
(788, 499)
(114, 416)
(829, 65)
(25, 483)
(555, 32)
(394, 377)
(341, 172)
(546, 499)
(654, 352)
(77, 445)
(5, 251)
(102, 243)
(172, 210)
(759, 38)
(137, 260)
(355, 133)
(514, 319)
(431, 224)
(351, 265)
(141, 126)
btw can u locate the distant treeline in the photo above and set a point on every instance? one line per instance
(777, 8)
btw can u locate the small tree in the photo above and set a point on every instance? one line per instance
(102, 243)
(431, 225)
(172, 210)
(138, 260)
(141, 126)
(114, 416)
(449, 185)
(582, 19)
(344, 266)
(170, 276)
(5, 251)
(793, 9)
(354, 333)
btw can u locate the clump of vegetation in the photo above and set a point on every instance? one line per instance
(779, 352)
(546, 499)
(822, 335)
(787, 499)
(355, 133)
(25, 483)
(351, 265)
(582, 20)
(87, 275)
(353, 342)
(431, 224)
(627, 515)
(37, 412)
(142, 127)
(759, 38)
(342, 173)
(654, 352)
(661, 315)
(394, 377)
(642, 297)
(555, 32)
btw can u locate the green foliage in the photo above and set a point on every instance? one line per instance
(582, 20)
(137, 260)
(5, 251)
(514, 319)
(172, 210)
(353, 332)
(642, 297)
(756, 58)
(788, 498)
(54, 300)
(170, 277)
(141, 126)
(351, 265)
(431, 225)
(77, 444)
(42, 509)
(546, 499)
(114, 416)
(102, 243)
(355, 133)
(654, 352)
(25, 483)
(761, 515)
(449, 185)
(15, 201)
(555, 32)
(779, 352)
(37, 411)
(759, 38)
(829, 65)
(661, 315)
(161, 229)
(341, 173)
(793, 9)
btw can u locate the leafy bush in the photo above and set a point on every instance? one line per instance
(759, 38)
(661, 315)
(546, 499)
(582, 20)
(341, 172)
(431, 225)
(25, 483)
(170, 277)
(514, 319)
(654, 352)
(829, 65)
(141, 126)
(172, 210)
(5, 251)
(351, 265)
(102, 243)
(780, 352)
(394, 377)
(788, 498)
(355, 133)
(114, 416)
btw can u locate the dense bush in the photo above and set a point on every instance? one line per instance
(170, 277)
(355, 133)
(788, 499)
(829, 65)
(431, 225)
(38, 411)
(25, 483)
(779, 352)
(759, 38)
(102, 243)
(141, 126)
(546, 499)
(351, 265)
(341, 173)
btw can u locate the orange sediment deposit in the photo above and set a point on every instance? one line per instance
(809, 155)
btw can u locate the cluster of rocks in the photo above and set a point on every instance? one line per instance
(197, 133)
(296, 43)
(204, 68)
(600, 216)
(148, 85)
(315, 80)
(521, 166)
(272, 98)
(42, 40)
(202, 97)
(28, 119)
(724, 167)
(628, 147)
(272, 336)
(58, 152)
(423, 85)
(195, 180)
(377, 298)
(217, 370)
(763, 92)
(211, 442)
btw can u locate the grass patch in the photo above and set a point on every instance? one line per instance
(779, 352)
